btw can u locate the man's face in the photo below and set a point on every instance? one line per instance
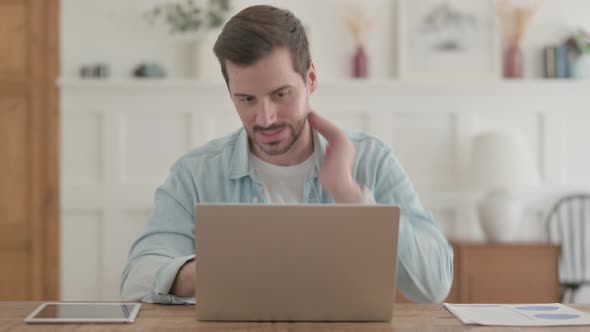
(272, 101)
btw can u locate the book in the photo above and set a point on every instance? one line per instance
(562, 61)
(549, 61)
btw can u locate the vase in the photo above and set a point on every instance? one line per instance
(500, 216)
(187, 58)
(195, 58)
(192, 58)
(513, 62)
(581, 67)
(360, 63)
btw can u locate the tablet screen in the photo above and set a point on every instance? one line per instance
(77, 312)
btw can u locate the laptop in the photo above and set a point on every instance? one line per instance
(268, 262)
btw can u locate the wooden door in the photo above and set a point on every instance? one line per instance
(29, 197)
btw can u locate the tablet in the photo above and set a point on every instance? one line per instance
(56, 312)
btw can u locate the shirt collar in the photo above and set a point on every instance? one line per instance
(319, 151)
(239, 164)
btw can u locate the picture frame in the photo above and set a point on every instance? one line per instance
(448, 40)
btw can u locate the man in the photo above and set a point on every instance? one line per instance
(285, 153)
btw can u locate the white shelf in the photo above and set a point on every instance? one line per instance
(332, 83)
(136, 83)
(508, 96)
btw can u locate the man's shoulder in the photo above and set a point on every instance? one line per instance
(216, 148)
(364, 140)
(373, 157)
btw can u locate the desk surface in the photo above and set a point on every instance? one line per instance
(153, 317)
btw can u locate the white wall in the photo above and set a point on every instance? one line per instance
(120, 138)
(114, 32)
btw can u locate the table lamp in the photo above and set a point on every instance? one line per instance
(501, 165)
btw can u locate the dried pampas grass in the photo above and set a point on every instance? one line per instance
(358, 23)
(515, 16)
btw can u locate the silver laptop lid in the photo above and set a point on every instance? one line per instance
(295, 262)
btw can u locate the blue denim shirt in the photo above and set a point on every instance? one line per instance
(220, 172)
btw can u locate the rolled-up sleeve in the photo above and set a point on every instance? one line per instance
(425, 258)
(166, 244)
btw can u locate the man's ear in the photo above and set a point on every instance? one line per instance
(312, 80)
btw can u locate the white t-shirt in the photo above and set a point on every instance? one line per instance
(282, 184)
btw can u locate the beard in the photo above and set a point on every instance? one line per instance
(275, 148)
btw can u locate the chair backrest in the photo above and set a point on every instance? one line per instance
(568, 224)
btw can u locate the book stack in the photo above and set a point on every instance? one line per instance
(564, 61)
(557, 61)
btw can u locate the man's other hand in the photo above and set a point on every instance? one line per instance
(184, 284)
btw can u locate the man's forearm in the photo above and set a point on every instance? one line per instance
(426, 270)
(150, 279)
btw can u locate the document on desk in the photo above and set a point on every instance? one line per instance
(547, 314)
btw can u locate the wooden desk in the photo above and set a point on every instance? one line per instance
(153, 317)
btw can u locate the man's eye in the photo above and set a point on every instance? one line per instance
(283, 93)
(246, 99)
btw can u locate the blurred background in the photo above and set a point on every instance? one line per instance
(484, 102)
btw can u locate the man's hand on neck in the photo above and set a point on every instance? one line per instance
(336, 169)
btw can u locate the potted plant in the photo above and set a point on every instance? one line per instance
(581, 65)
(190, 21)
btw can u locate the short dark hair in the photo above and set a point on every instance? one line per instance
(256, 31)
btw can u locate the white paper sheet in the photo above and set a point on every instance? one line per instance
(545, 314)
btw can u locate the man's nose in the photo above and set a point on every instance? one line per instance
(266, 114)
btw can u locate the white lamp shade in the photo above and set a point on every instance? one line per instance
(501, 160)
